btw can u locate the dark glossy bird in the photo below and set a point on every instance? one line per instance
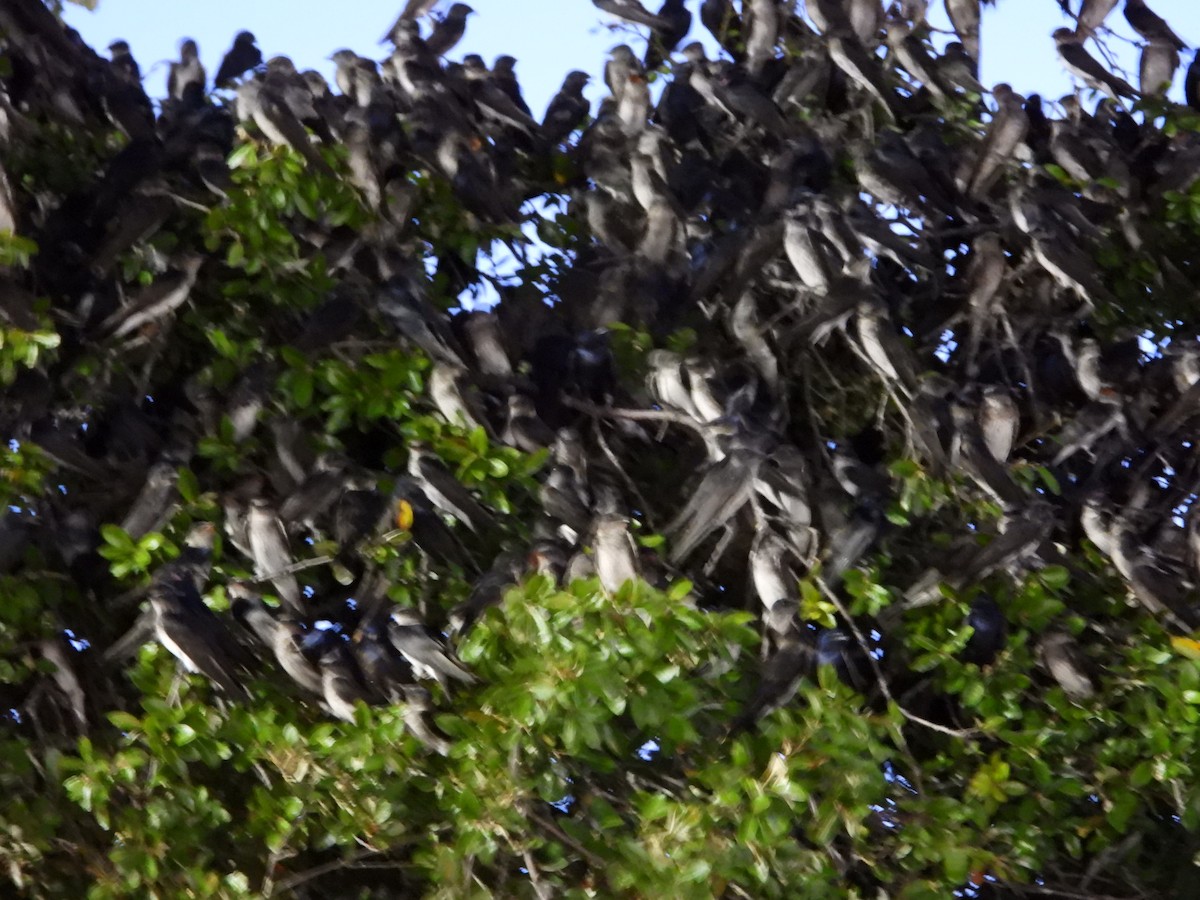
(449, 30)
(123, 63)
(989, 631)
(243, 56)
(1191, 83)
(663, 40)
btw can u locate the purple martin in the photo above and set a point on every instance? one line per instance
(340, 684)
(156, 502)
(632, 11)
(444, 490)
(384, 671)
(356, 77)
(1092, 14)
(160, 298)
(271, 554)
(970, 451)
(1191, 83)
(425, 651)
(1000, 421)
(402, 301)
(1156, 69)
(1004, 135)
(449, 30)
(793, 658)
(964, 18)
(914, 55)
(455, 397)
(487, 591)
(838, 649)
(770, 570)
(194, 635)
(724, 24)
(504, 73)
(413, 9)
(1087, 68)
(268, 108)
(989, 631)
(1150, 25)
(722, 492)
(956, 68)
(664, 40)
(485, 337)
(524, 429)
(762, 18)
(1062, 659)
(615, 552)
(863, 69)
(282, 635)
(243, 56)
(564, 500)
(882, 344)
(417, 704)
(493, 101)
(184, 76)
(567, 109)
(123, 63)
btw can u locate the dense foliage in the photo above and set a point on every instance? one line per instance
(810, 517)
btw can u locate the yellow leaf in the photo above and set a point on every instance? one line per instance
(404, 515)
(1185, 646)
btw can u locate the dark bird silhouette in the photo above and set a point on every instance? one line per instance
(243, 56)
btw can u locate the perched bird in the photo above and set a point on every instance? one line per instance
(1150, 25)
(1061, 657)
(449, 30)
(154, 302)
(243, 56)
(615, 552)
(124, 64)
(267, 107)
(194, 635)
(677, 20)
(272, 557)
(281, 634)
(1191, 83)
(428, 656)
(186, 77)
(1087, 68)
(567, 110)
(1156, 69)
(1092, 14)
(340, 684)
(444, 491)
(989, 631)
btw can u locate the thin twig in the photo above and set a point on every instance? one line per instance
(591, 858)
(636, 415)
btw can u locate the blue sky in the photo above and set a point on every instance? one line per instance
(548, 37)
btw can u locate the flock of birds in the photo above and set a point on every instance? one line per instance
(806, 201)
